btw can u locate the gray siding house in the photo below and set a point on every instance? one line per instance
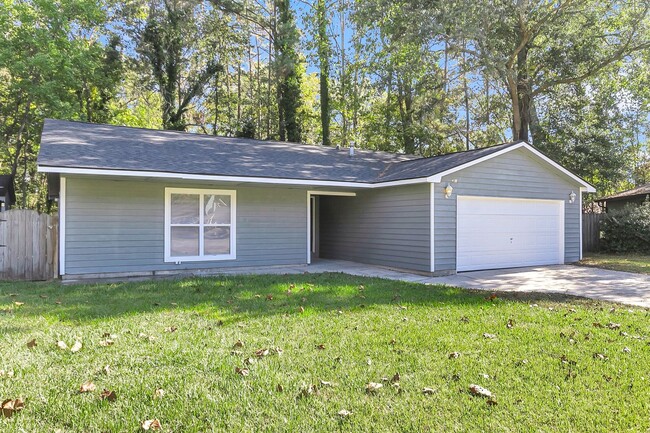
(144, 202)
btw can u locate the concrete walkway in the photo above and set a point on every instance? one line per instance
(602, 284)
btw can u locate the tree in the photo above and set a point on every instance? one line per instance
(324, 61)
(287, 64)
(170, 45)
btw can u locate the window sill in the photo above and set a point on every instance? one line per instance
(179, 260)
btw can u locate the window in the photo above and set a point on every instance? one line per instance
(199, 224)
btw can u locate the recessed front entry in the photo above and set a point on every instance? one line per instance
(495, 233)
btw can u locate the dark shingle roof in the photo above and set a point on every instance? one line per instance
(641, 190)
(68, 144)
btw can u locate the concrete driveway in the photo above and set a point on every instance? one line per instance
(602, 284)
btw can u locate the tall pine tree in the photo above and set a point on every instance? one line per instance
(287, 64)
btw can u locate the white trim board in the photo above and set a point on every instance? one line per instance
(587, 187)
(62, 198)
(218, 178)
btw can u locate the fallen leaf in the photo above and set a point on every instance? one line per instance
(626, 350)
(344, 413)
(325, 384)
(395, 378)
(479, 391)
(428, 391)
(369, 361)
(43, 296)
(159, 393)
(392, 342)
(174, 303)
(6, 373)
(108, 395)
(171, 329)
(301, 309)
(9, 407)
(510, 324)
(106, 343)
(492, 297)
(13, 295)
(453, 355)
(261, 353)
(19, 304)
(106, 335)
(491, 402)
(238, 343)
(106, 369)
(597, 325)
(279, 388)
(61, 345)
(464, 319)
(76, 347)
(269, 297)
(485, 375)
(151, 424)
(362, 287)
(320, 347)
(242, 371)
(612, 325)
(489, 336)
(373, 387)
(31, 343)
(57, 302)
(87, 387)
(600, 356)
(307, 391)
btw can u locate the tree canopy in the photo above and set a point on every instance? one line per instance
(571, 77)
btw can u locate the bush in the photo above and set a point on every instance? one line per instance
(627, 230)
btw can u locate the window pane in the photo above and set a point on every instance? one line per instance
(216, 240)
(217, 209)
(185, 209)
(185, 241)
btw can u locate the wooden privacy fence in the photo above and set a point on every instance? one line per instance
(28, 248)
(591, 231)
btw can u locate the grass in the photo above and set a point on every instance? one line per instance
(637, 263)
(543, 370)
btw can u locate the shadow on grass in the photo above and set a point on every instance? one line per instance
(233, 298)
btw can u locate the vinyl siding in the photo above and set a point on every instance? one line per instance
(515, 174)
(387, 227)
(115, 225)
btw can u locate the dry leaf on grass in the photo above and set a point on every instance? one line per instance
(151, 424)
(171, 329)
(269, 297)
(158, 393)
(372, 387)
(61, 345)
(627, 350)
(325, 384)
(343, 413)
(9, 407)
(600, 356)
(428, 391)
(76, 347)
(108, 395)
(279, 388)
(19, 304)
(453, 355)
(489, 336)
(237, 344)
(320, 346)
(510, 324)
(396, 378)
(307, 391)
(612, 325)
(106, 343)
(260, 353)
(242, 371)
(301, 309)
(479, 391)
(31, 343)
(87, 387)
(6, 373)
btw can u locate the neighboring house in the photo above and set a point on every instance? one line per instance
(143, 202)
(634, 196)
(7, 192)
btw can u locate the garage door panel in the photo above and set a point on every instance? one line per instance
(499, 233)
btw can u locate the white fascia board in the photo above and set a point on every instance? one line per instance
(586, 187)
(216, 178)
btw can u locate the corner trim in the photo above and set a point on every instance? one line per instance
(62, 203)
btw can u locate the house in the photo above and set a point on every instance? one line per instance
(634, 196)
(145, 202)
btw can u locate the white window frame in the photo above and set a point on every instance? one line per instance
(201, 193)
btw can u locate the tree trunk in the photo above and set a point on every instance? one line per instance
(323, 54)
(216, 104)
(523, 92)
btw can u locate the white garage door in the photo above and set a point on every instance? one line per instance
(495, 233)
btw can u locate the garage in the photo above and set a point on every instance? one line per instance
(497, 232)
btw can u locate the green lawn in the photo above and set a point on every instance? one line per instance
(564, 364)
(619, 262)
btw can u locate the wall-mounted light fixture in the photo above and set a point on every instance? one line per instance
(572, 197)
(448, 190)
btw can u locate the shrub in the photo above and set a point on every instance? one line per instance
(627, 230)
